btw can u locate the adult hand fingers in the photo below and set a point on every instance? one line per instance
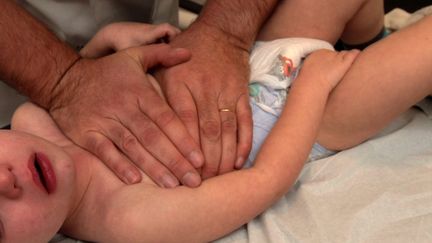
(210, 82)
(117, 90)
(158, 130)
(164, 117)
(245, 128)
(229, 138)
(131, 146)
(161, 54)
(103, 148)
(182, 102)
(236, 126)
(210, 132)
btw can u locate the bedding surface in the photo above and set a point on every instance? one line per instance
(379, 191)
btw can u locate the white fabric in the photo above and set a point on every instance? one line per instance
(398, 18)
(380, 191)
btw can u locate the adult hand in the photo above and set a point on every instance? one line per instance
(210, 95)
(109, 106)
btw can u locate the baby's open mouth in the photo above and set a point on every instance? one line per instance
(42, 172)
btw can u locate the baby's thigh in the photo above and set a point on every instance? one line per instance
(323, 20)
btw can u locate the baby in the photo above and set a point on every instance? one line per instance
(45, 187)
(48, 184)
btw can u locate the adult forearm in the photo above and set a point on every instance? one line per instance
(32, 59)
(239, 19)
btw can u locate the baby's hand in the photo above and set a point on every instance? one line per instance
(118, 36)
(328, 67)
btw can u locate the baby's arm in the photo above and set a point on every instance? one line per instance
(123, 35)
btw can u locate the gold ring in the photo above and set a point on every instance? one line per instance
(224, 110)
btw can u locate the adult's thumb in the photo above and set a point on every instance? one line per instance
(162, 54)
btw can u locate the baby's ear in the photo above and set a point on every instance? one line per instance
(32, 119)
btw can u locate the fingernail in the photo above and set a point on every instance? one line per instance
(239, 162)
(196, 158)
(191, 179)
(179, 49)
(169, 182)
(132, 177)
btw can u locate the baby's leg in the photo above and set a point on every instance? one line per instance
(354, 21)
(385, 80)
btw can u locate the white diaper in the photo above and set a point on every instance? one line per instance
(275, 65)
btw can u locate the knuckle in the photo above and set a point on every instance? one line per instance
(244, 149)
(157, 175)
(175, 163)
(153, 99)
(164, 118)
(113, 129)
(229, 124)
(120, 168)
(226, 168)
(230, 151)
(142, 163)
(211, 170)
(149, 136)
(155, 171)
(245, 116)
(90, 143)
(211, 130)
(129, 143)
(101, 146)
(187, 115)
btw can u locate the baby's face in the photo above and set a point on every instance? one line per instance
(37, 181)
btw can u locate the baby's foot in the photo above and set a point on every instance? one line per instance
(329, 67)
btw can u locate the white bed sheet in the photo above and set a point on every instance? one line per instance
(380, 191)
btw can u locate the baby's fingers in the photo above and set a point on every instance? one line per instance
(340, 65)
(348, 57)
(163, 32)
(167, 31)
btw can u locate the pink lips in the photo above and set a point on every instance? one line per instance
(42, 172)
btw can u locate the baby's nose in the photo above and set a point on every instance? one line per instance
(8, 187)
